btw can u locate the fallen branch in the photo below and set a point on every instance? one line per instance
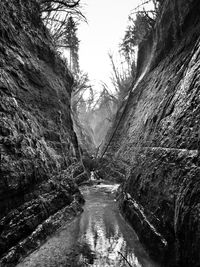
(124, 258)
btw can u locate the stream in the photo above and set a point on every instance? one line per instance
(98, 237)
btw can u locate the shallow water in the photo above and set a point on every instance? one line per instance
(98, 237)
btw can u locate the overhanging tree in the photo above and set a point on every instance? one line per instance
(141, 22)
(55, 15)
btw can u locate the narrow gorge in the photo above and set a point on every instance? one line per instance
(151, 150)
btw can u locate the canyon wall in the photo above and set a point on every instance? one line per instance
(155, 142)
(39, 155)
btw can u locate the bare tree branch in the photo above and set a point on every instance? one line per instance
(46, 4)
(55, 15)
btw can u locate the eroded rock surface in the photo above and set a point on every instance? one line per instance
(157, 140)
(39, 149)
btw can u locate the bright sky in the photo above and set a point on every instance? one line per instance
(107, 21)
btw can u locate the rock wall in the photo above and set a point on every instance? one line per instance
(38, 148)
(157, 140)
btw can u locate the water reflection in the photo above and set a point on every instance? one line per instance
(99, 237)
(103, 229)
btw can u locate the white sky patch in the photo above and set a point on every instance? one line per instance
(107, 21)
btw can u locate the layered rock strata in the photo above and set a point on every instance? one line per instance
(38, 148)
(156, 139)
